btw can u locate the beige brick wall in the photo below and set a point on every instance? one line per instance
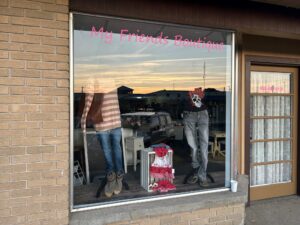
(34, 107)
(227, 215)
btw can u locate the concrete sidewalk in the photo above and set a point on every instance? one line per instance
(278, 211)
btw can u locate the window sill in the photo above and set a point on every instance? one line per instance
(166, 206)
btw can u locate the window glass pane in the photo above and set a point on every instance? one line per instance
(270, 82)
(151, 104)
(270, 151)
(270, 128)
(270, 106)
(270, 174)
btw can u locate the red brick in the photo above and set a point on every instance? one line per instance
(41, 65)
(54, 108)
(4, 3)
(8, 28)
(12, 99)
(45, 166)
(26, 21)
(55, 91)
(38, 48)
(12, 185)
(18, 64)
(62, 99)
(41, 182)
(25, 175)
(11, 11)
(40, 31)
(26, 141)
(20, 159)
(4, 178)
(39, 99)
(3, 55)
(62, 148)
(13, 133)
(25, 38)
(24, 90)
(12, 220)
(62, 50)
(62, 17)
(11, 46)
(25, 193)
(40, 149)
(30, 209)
(23, 4)
(39, 14)
(55, 124)
(42, 216)
(13, 168)
(48, 190)
(4, 72)
(4, 141)
(12, 116)
(62, 34)
(25, 73)
(62, 66)
(62, 2)
(4, 108)
(12, 151)
(55, 58)
(41, 116)
(55, 74)
(40, 133)
(4, 160)
(41, 82)
(56, 25)
(3, 19)
(55, 156)
(26, 56)
(55, 8)
(23, 125)
(53, 174)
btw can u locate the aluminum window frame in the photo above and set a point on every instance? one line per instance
(231, 164)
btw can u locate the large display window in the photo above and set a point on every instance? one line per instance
(151, 109)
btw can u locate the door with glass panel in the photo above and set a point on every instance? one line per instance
(273, 137)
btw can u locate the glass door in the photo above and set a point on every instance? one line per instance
(273, 142)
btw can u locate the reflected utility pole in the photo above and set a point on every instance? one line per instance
(204, 75)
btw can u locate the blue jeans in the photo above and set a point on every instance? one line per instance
(196, 132)
(110, 143)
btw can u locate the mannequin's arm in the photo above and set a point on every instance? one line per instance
(87, 105)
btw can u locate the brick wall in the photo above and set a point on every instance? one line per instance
(227, 215)
(34, 112)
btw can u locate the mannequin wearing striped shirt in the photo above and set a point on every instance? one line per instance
(109, 135)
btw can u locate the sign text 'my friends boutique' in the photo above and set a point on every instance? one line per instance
(161, 39)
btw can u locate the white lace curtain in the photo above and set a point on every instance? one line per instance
(268, 128)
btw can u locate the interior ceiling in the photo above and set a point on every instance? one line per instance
(286, 3)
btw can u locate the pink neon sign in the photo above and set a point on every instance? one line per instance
(161, 39)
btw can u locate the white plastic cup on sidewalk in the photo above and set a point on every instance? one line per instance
(233, 185)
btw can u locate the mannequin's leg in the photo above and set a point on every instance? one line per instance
(190, 133)
(203, 143)
(103, 137)
(116, 148)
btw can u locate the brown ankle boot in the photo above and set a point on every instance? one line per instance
(110, 185)
(119, 184)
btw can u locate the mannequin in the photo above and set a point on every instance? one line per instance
(107, 123)
(196, 120)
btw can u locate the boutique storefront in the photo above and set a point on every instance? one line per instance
(166, 112)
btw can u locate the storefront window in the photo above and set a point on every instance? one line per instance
(151, 109)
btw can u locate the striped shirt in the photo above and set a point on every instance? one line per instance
(110, 111)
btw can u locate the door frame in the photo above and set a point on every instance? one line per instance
(266, 61)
